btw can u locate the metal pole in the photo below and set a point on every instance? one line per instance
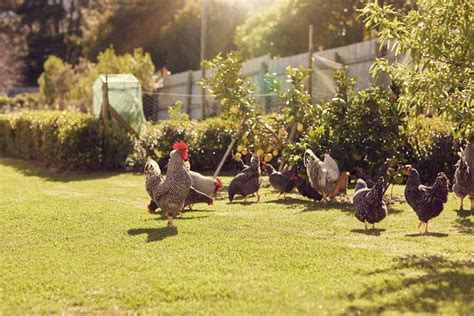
(203, 54)
(310, 61)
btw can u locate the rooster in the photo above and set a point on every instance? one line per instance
(427, 202)
(464, 176)
(324, 176)
(282, 182)
(171, 194)
(368, 203)
(246, 182)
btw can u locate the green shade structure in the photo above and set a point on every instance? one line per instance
(125, 96)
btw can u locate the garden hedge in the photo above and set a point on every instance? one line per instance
(64, 140)
(76, 141)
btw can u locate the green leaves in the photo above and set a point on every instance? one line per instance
(438, 38)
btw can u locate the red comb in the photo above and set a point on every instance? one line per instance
(180, 145)
(219, 185)
(211, 201)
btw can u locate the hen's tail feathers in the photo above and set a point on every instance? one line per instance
(360, 185)
(219, 185)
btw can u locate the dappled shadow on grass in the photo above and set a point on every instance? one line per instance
(154, 234)
(370, 231)
(429, 234)
(464, 213)
(31, 169)
(465, 226)
(438, 280)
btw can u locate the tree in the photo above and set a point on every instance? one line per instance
(283, 29)
(130, 25)
(52, 27)
(438, 38)
(181, 37)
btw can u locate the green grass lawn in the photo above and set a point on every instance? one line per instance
(85, 243)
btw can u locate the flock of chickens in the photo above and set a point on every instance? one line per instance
(182, 187)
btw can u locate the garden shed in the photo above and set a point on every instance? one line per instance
(125, 97)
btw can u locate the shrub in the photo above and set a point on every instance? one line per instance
(359, 128)
(72, 141)
(207, 141)
(432, 147)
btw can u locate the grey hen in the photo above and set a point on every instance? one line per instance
(464, 176)
(368, 203)
(282, 182)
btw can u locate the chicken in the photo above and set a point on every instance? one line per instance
(427, 202)
(206, 185)
(171, 194)
(153, 179)
(194, 196)
(246, 182)
(464, 176)
(306, 190)
(282, 182)
(325, 176)
(368, 203)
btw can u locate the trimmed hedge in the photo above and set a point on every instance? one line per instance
(207, 141)
(65, 140)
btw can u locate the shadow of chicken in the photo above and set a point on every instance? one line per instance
(464, 176)
(426, 201)
(368, 203)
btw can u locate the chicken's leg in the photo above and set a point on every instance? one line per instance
(373, 226)
(365, 225)
(426, 228)
(419, 224)
(461, 207)
(258, 196)
(170, 219)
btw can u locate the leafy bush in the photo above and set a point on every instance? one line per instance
(359, 128)
(207, 141)
(432, 146)
(72, 141)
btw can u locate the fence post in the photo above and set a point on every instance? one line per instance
(203, 54)
(104, 109)
(310, 61)
(189, 101)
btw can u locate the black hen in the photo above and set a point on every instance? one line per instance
(194, 196)
(282, 182)
(427, 202)
(368, 203)
(306, 190)
(246, 182)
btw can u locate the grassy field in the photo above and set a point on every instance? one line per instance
(85, 243)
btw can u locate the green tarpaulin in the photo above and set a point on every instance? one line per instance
(125, 96)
